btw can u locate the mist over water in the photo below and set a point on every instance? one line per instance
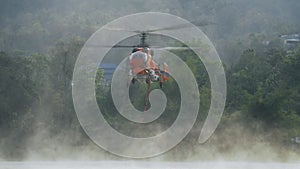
(152, 165)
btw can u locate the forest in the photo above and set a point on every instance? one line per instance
(40, 42)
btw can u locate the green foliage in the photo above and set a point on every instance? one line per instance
(61, 70)
(23, 83)
(22, 80)
(264, 86)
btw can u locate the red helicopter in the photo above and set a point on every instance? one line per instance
(142, 65)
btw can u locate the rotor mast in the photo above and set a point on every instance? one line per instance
(143, 43)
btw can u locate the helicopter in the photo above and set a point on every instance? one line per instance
(143, 66)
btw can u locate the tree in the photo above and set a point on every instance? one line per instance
(62, 63)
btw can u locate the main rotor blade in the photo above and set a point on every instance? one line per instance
(124, 46)
(115, 46)
(175, 48)
(174, 27)
(180, 26)
(152, 47)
